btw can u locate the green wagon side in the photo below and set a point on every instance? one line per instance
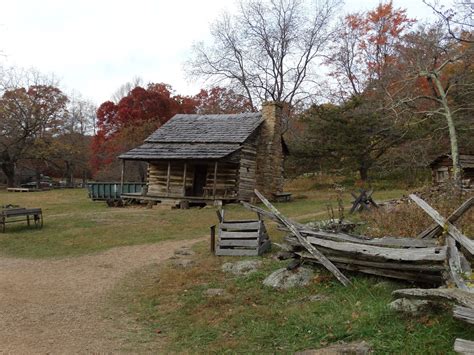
(102, 191)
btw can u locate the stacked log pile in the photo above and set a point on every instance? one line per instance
(426, 259)
(420, 259)
(399, 258)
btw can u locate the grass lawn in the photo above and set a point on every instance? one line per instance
(74, 225)
(170, 304)
(250, 318)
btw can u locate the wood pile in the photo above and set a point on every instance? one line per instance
(412, 259)
(440, 255)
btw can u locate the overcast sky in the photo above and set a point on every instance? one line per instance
(94, 46)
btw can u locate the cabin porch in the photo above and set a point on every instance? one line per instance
(184, 181)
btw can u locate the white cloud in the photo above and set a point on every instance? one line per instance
(96, 46)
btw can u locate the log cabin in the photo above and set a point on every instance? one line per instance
(442, 168)
(208, 158)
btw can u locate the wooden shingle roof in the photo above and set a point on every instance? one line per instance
(197, 137)
(465, 160)
(233, 128)
(157, 151)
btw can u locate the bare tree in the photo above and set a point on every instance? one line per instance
(269, 50)
(459, 20)
(125, 89)
(81, 116)
(73, 145)
(435, 80)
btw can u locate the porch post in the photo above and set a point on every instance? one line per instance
(215, 181)
(184, 179)
(168, 179)
(122, 176)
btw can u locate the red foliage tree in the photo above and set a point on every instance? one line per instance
(126, 124)
(221, 100)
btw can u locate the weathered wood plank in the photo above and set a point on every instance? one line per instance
(452, 230)
(383, 242)
(238, 235)
(408, 276)
(214, 187)
(316, 253)
(463, 313)
(185, 168)
(240, 226)
(435, 229)
(415, 254)
(168, 178)
(454, 265)
(455, 295)
(464, 346)
(413, 275)
(342, 258)
(253, 243)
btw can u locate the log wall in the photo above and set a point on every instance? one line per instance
(442, 169)
(247, 170)
(159, 184)
(227, 179)
(158, 178)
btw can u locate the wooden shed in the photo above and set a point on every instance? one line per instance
(442, 168)
(207, 158)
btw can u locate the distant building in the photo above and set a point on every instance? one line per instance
(204, 158)
(442, 168)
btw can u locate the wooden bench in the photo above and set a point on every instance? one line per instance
(12, 215)
(20, 189)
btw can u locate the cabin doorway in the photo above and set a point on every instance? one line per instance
(199, 182)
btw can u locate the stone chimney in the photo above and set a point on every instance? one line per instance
(270, 154)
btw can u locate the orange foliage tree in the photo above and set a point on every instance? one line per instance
(360, 130)
(365, 49)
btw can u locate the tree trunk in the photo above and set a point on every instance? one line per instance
(453, 138)
(68, 174)
(38, 179)
(8, 169)
(364, 172)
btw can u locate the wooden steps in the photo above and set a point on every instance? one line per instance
(241, 238)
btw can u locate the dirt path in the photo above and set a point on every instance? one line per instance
(54, 306)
